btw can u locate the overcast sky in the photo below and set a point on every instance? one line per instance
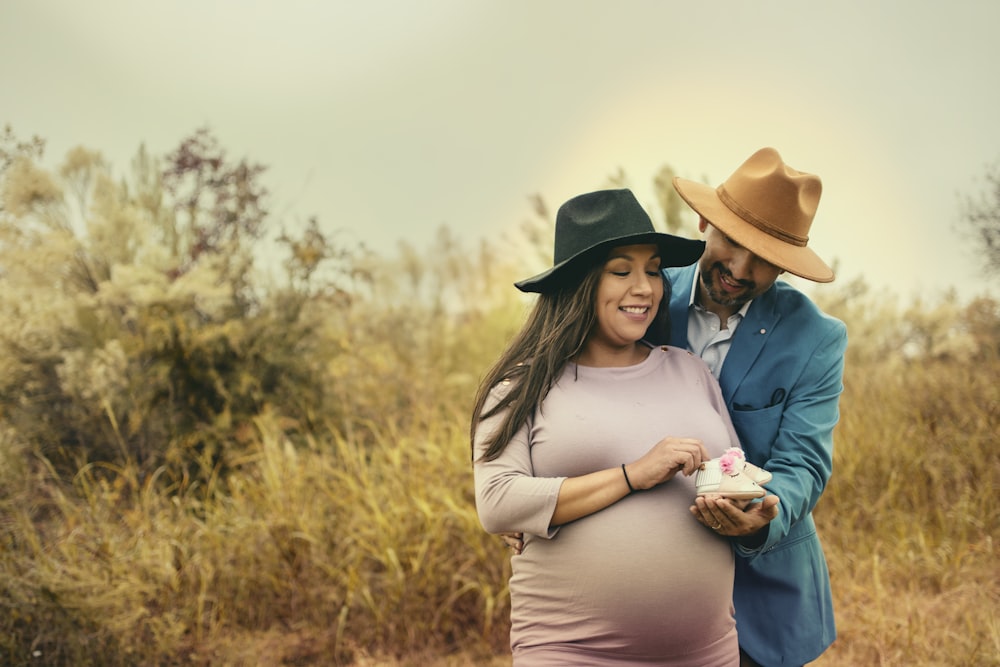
(390, 118)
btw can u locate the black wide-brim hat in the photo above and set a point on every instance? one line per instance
(589, 225)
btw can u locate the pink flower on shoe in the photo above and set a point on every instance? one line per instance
(730, 463)
(759, 475)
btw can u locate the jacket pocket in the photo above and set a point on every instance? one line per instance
(757, 430)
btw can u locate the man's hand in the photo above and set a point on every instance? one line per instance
(727, 517)
(515, 541)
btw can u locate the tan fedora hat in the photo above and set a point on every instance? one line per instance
(767, 207)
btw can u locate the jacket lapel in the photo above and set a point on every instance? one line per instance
(748, 341)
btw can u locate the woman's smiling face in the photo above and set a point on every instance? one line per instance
(628, 296)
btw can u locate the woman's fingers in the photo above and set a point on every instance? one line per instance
(690, 454)
(668, 457)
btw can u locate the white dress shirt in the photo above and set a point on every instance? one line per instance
(706, 337)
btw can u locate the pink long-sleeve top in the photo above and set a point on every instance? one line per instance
(639, 582)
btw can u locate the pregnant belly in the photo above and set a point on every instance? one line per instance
(640, 577)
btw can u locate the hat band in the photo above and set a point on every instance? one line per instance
(762, 225)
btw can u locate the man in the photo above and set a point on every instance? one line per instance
(780, 363)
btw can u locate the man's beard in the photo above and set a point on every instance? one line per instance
(720, 296)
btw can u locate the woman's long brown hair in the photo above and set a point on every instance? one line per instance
(554, 333)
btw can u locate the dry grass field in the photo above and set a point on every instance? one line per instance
(200, 469)
(341, 554)
(910, 522)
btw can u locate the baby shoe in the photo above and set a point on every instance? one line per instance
(712, 479)
(758, 475)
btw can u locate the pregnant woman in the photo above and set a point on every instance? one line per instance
(586, 435)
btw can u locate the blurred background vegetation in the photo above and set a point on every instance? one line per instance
(223, 442)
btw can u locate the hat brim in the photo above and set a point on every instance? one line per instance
(674, 251)
(798, 260)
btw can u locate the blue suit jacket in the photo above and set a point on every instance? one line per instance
(782, 381)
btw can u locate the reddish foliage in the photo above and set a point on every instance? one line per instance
(223, 203)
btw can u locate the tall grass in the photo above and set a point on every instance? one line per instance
(362, 546)
(910, 519)
(314, 555)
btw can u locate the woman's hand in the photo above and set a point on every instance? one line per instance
(667, 457)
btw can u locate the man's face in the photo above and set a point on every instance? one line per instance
(731, 275)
